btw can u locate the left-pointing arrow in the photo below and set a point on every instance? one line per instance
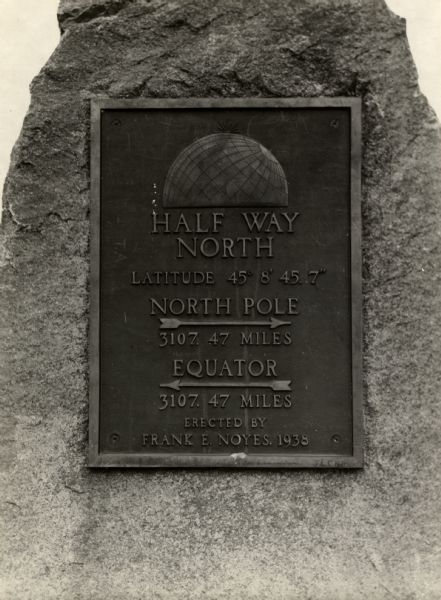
(277, 385)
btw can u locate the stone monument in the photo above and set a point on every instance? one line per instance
(74, 531)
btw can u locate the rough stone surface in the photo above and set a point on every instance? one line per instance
(72, 533)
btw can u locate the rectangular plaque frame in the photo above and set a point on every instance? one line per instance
(137, 460)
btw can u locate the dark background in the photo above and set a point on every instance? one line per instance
(313, 147)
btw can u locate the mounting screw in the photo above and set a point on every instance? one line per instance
(336, 439)
(334, 123)
(114, 438)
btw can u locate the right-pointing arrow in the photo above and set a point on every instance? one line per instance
(172, 323)
(276, 323)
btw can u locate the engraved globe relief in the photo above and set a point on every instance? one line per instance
(225, 169)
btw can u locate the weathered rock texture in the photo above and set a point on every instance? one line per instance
(72, 533)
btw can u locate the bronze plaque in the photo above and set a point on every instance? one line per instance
(225, 283)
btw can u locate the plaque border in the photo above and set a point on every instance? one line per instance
(235, 460)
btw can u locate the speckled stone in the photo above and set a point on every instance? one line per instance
(70, 533)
